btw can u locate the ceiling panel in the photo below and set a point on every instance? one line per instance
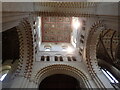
(56, 29)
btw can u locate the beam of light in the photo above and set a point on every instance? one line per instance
(47, 49)
(64, 50)
(70, 50)
(76, 23)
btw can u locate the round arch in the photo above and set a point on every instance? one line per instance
(91, 51)
(26, 49)
(59, 81)
(62, 69)
(91, 59)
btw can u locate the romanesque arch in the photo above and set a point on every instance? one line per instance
(92, 49)
(26, 48)
(91, 59)
(61, 69)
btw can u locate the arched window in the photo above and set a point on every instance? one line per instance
(48, 58)
(61, 58)
(109, 76)
(45, 58)
(69, 58)
(56, 58)
(73, 58)
(114, 82)
(42, 58)
(47, 48)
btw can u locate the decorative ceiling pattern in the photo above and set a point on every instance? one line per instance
(83, 9)
(107, 48)
(56, 29)
(68, 4)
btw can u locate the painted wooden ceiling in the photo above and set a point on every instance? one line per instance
(56, 29)
(108, 47)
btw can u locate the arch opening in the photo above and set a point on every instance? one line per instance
(59, 81)
(60, 69)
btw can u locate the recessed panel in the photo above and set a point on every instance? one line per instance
(56, 29)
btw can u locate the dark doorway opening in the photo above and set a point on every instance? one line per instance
(60, 81)
(10, 45)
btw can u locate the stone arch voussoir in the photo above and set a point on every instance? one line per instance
(61, 69)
